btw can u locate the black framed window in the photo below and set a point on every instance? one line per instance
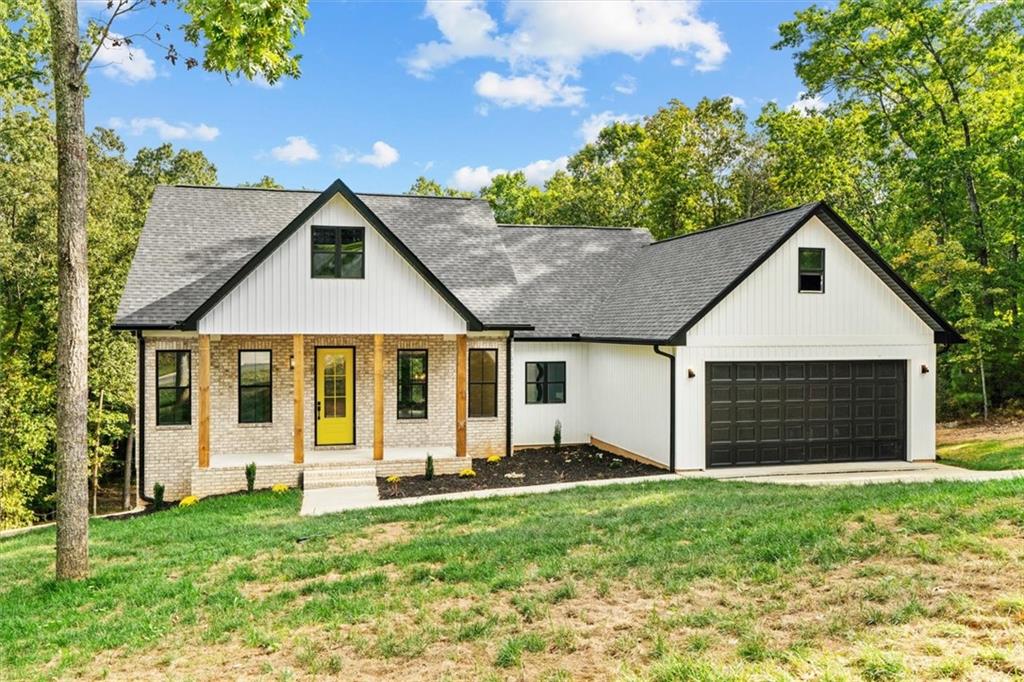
(483, 382)
(545, 382)
(255, 393)
(173, 387)
(338, 252)
(412, 384)
(812, 270)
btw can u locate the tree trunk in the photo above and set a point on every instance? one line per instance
(129, 448)
(984, 391)
(73, 295)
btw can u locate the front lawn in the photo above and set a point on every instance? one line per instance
(987, 455)
(690, 579)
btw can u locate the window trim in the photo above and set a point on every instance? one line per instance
(527, 383)
(158, 388)
(425, 382)
(470, 383)
(337, 229)
(801, 271)
(269, 384)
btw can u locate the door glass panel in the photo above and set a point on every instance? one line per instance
(334, 402)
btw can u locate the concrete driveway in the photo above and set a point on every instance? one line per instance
(853, 473)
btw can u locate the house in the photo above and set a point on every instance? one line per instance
(316, 331)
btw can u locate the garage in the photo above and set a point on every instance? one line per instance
(766, 413)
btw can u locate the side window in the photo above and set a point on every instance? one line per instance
(812, 271)
(412, 384)
(255, 395)
(337, 252)
(483, 382)
(545, 382)
(173, 387)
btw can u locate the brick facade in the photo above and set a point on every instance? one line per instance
(171, 452)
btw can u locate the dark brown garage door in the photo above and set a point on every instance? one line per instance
(800, 412)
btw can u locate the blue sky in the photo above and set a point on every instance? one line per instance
(454, 91)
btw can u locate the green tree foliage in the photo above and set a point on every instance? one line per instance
(266, 182)
(426, 187)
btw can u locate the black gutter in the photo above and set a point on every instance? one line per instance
(508, 392)
(671, 407)
(140, 438)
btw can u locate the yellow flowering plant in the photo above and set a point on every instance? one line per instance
(467, 473)
(393, 479)
(188, 501)
(494, 459)
(279, 488)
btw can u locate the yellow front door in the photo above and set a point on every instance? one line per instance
(335, 397)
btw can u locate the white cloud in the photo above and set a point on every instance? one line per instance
(678, 61)
(383, 155)
(737, 102)
(546, 42)
(128, 64)
(296, 149)
(595, 123)
(807, 105)
(165, 130)
(532, 92)
(471, 179)
(539, 172)
(625, 85)
(260, 81)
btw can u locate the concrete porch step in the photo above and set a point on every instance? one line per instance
(339, 477)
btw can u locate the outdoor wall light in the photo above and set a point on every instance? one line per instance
(690, 373)
(924, 369)
(291, 362)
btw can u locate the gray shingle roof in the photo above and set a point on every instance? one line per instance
(598, 283)
(564, 272)
(669, 282)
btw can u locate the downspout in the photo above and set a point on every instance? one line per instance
(671, 407)
(140, 439)
(508, 392)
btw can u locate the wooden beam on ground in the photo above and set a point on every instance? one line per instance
(204, 401)
(461, 370)
(298, 388)
(378, 396)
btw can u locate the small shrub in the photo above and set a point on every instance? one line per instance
(429, 473)
(279, 488)
(494, 459)
(393, 481)
(615, 464)
(158, 496)
(557, 436)
(250, 476)
(467, 473)
(189, 501)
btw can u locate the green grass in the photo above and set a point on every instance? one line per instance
(686, 572)
(984, 455)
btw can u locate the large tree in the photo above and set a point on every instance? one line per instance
(250, 38)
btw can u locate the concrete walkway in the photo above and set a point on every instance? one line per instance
(853, 473)
(330, 500)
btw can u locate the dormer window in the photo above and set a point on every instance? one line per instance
(812, 271)
(337, 252)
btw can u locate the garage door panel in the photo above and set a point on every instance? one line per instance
(794, 412)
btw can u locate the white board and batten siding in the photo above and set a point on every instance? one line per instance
(616, 393)
(765, 318)
(629, 399)
(534, 424)
(281, 297)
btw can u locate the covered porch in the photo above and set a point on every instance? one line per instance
(331, 457)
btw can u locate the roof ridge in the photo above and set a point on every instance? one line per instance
(317, 191)
(807, 206)
(578, 227)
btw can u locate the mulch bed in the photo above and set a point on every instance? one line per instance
(528, 467)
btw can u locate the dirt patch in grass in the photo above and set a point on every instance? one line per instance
(961, 432)
(525, 468)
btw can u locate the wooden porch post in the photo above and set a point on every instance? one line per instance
(378, 396)
(461, 369)
(299, 378)
(204, 401)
